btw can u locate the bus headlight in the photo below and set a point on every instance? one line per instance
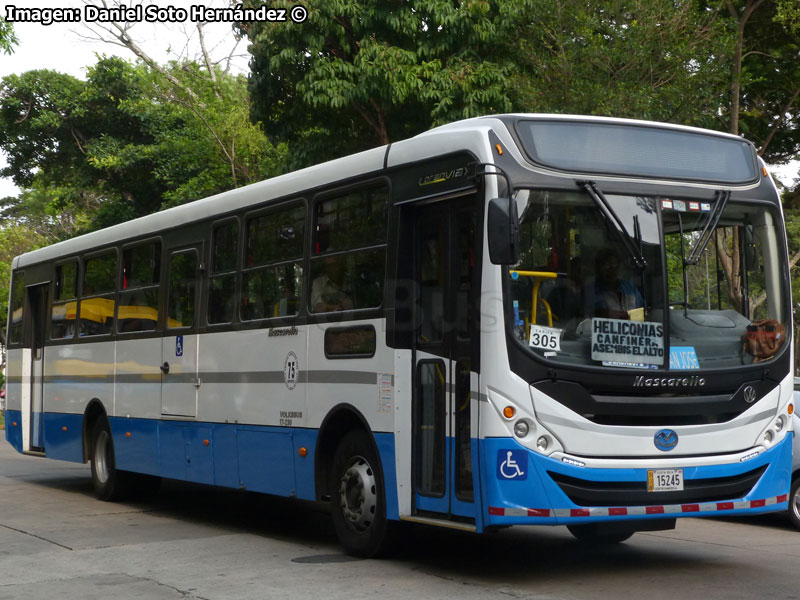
(521, 428)
(542, 443)
(780, 422)
(768, 437)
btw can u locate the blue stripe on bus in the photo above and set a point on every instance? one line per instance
(14, 429)
(255, 458)
(538, 491)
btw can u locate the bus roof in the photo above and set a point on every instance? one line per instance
(362, 163)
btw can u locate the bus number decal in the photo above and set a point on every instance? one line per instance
(545, 338)
(290, 370)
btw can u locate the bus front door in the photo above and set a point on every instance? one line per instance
(445, 272)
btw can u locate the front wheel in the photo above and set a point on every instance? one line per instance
(794, 503)
(358, 500)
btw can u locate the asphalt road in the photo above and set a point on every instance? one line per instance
(191, 542)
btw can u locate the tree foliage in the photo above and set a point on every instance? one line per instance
(360, 74)
(646, 59)
(123, 143)
(7, 37)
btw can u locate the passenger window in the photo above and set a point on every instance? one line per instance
(17, 304)
(138, 300)
(222, 283)
(350, 342)
(272, 276)
(97, 296)
(348, 262)
(353, 220)
(182, 289)
(65, 304)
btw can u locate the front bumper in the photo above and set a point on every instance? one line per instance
(541, 490)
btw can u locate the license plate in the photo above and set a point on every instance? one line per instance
(665, 480)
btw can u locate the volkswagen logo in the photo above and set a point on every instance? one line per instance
(749, 394)
(666, 439)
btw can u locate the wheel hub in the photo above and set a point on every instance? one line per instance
(357, 493)
(101, 457)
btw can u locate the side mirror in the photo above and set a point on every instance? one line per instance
(503, 231)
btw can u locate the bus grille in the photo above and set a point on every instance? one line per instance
(634, 493)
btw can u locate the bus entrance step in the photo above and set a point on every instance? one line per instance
(440, 523)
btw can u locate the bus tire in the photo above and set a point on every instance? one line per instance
(794, 503)
(110, 485)
(591, 533)
(358, 502)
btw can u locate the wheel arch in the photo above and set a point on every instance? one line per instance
(95, 411)
(339, 421)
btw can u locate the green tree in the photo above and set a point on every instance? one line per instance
(646, 59)
(7, 38)
(357, 74)
(127, 142)
(765, 75)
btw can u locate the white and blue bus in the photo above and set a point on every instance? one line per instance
(508, 320)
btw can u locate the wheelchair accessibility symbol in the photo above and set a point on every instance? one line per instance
(512, 464)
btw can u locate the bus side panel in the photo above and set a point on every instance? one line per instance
(304, 465)
(135, 445)
(226, 459)
(266, 462)
(14, 429)
(63, 436)
(385, 443)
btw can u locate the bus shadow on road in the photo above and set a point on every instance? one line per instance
(518, 554)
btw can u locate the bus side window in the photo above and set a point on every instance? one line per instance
(182, 289)
(349, 250)
(97, 296)
(138, 300)
(272, 274)
(63, 312)
(222, 281)
(16, 308)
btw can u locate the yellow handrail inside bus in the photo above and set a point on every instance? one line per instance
(538, 277)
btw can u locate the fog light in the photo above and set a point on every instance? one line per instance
(542, 443)
(521, 429)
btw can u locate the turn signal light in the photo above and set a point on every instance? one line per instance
(509, 412)
(127, 434)
(303, 452)
(790, 409)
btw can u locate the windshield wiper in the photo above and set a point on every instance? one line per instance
(635, 253)
(720, 200)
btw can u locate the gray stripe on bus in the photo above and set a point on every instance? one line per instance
(316, 376)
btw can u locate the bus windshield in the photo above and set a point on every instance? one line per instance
(647, 282)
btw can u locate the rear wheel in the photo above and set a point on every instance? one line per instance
(109, 484)
(358, 499)
(794, 503)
